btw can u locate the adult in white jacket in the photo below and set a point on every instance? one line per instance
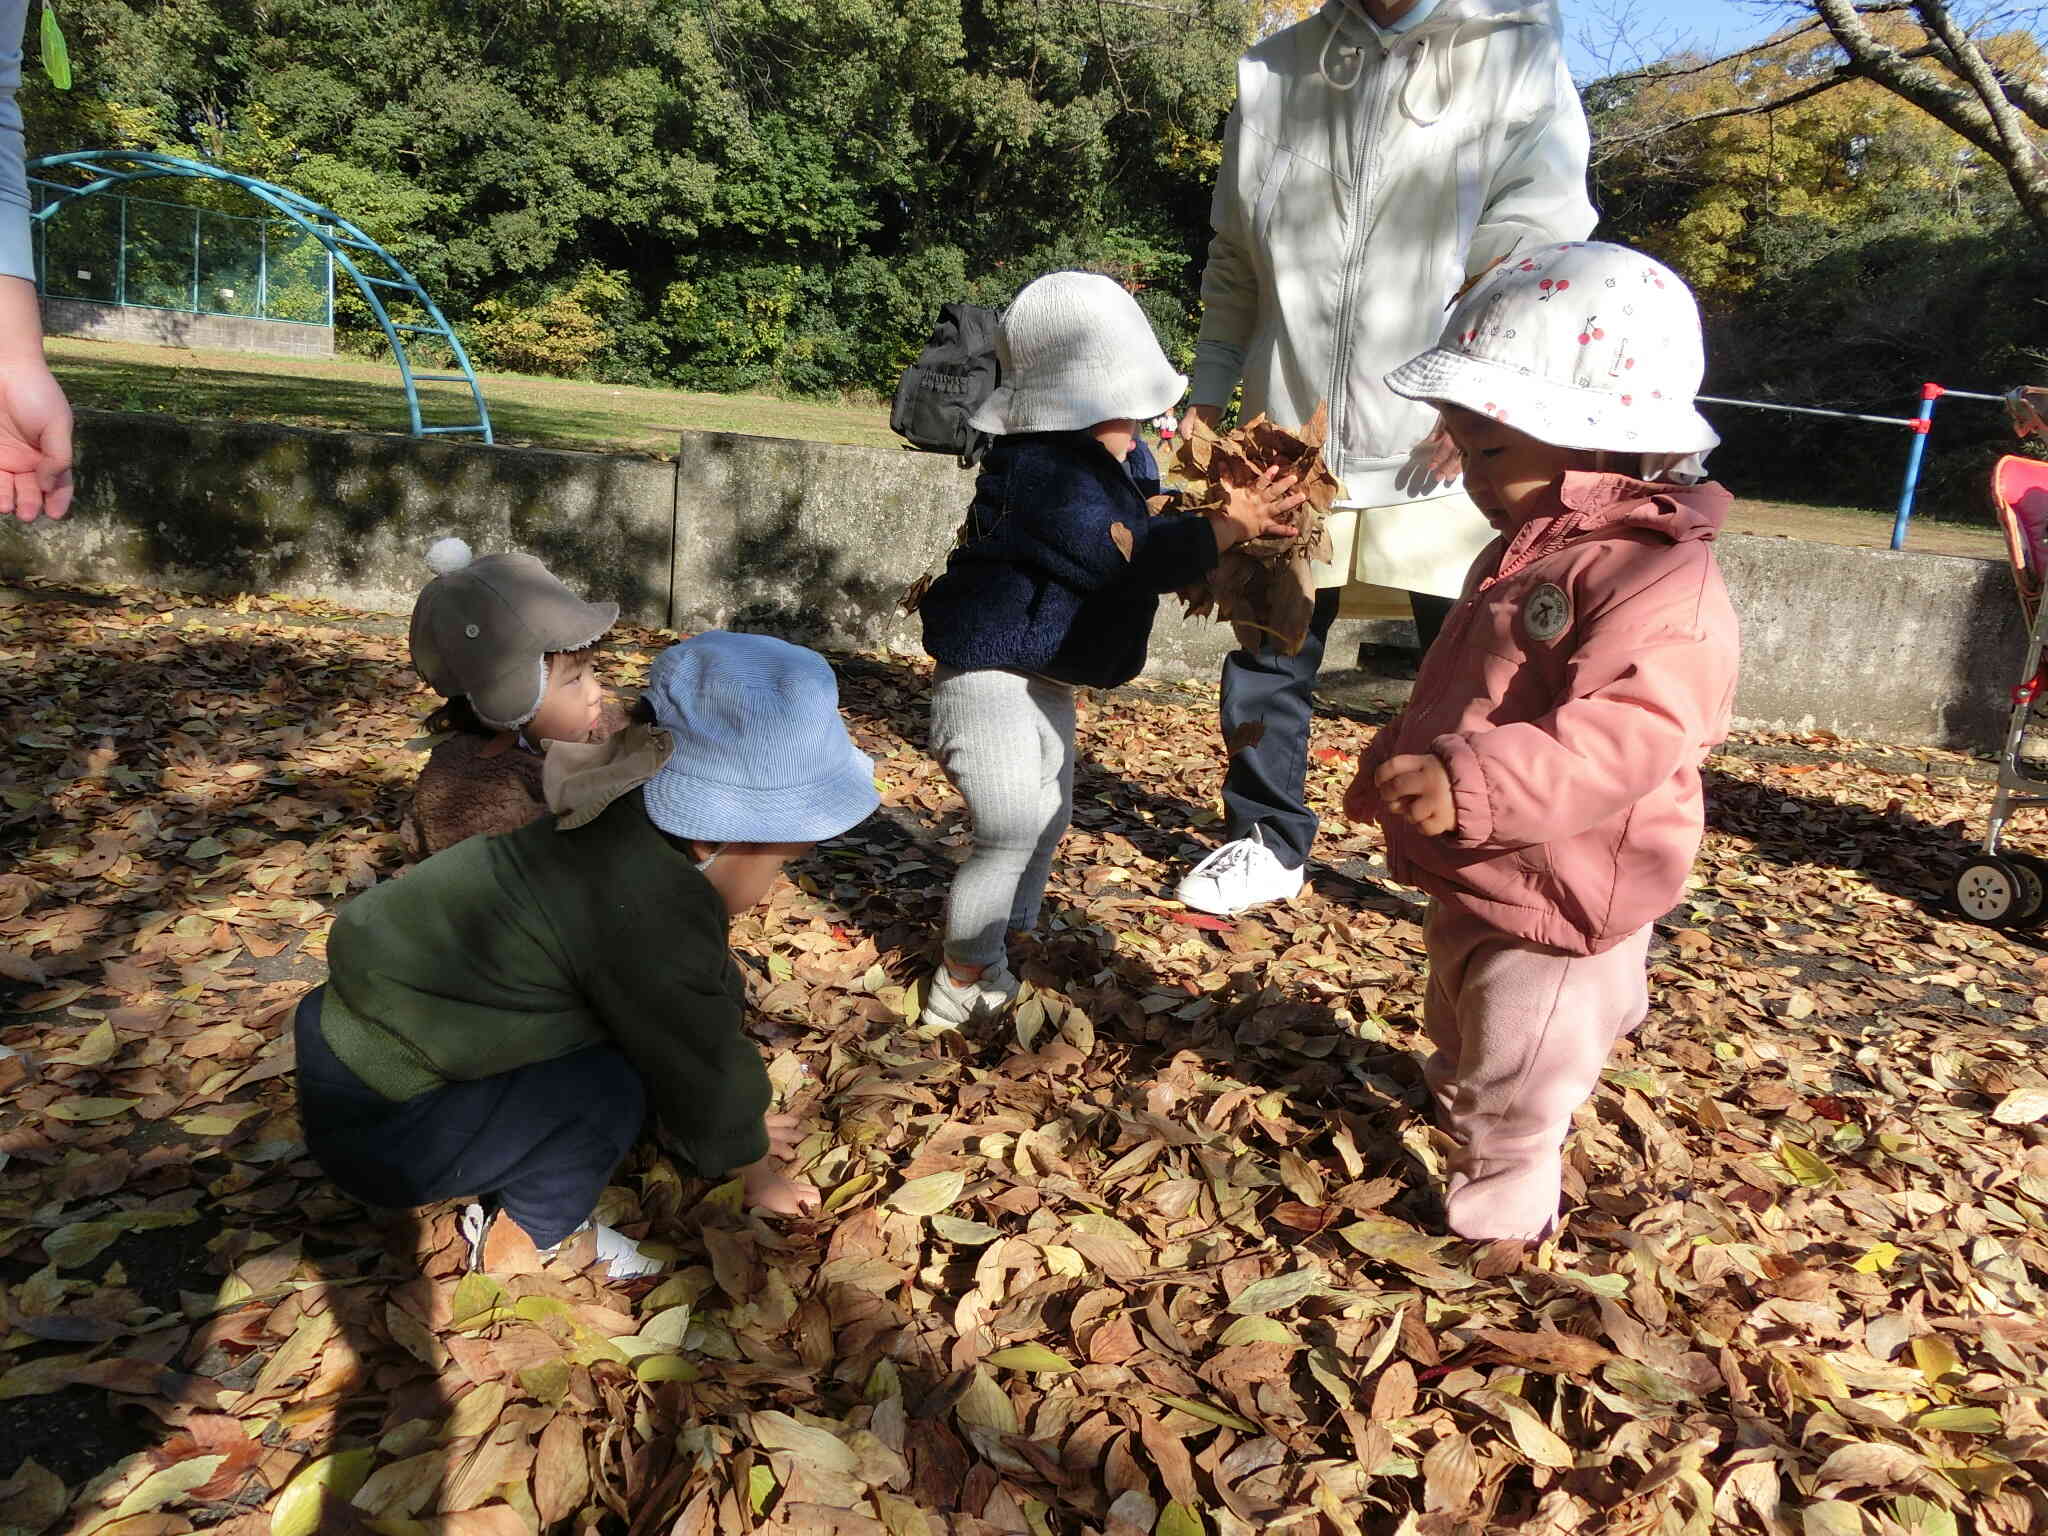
(1381, 153)
(35, 420)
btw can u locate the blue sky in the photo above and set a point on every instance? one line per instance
(1661, 26)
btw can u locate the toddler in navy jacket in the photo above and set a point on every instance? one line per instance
(1054, 586)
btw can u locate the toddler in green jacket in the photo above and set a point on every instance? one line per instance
(497, 1023)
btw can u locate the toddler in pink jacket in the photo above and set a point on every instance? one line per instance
(1543, 785)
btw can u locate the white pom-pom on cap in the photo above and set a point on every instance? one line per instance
(448, 556)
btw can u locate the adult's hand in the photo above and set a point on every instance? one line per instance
(1207, 415)
(1445, 462)
(35, 418)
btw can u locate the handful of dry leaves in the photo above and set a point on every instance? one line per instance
(1262, 587)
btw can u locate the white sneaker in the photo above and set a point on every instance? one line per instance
(1239, 876)
(617, 1254)
(950, 1004)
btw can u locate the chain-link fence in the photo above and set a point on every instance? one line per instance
(157, 255)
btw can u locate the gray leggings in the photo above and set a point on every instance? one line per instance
(1007, 743)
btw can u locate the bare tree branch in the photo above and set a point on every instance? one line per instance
(1981, 114)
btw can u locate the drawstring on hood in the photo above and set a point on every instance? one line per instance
(1443, 78)
(1438, 42)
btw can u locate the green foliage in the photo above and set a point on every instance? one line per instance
(1846, 248)
(716, 193)
(561, 330)
(777, 194)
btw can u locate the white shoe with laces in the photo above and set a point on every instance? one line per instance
(1239, 876)
(950, 1004)
(617, 1254)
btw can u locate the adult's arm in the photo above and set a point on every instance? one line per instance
(35, 418)
(1537, 195)
(1230, 283)
(15, 260)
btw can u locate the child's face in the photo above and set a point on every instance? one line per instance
(1506, 471)
(569, 709)
(744, 873)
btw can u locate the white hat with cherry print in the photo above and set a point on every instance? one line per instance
(1582, 345)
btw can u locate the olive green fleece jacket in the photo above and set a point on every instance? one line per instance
(505, 951)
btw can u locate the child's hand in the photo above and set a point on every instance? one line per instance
(1361, 802)
(1258, 510)
(784, 1132)
(764, 1185)
(1417, 788)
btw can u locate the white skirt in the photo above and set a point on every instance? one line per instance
(1381, 554)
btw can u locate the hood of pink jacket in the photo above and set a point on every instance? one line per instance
(1573, 695)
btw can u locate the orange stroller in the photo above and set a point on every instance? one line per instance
(2001, 887)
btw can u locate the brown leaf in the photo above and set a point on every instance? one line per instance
(1450, 1473)
(1393, 1395)
(561, 1471)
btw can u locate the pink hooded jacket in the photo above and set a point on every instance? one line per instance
(1574, 693)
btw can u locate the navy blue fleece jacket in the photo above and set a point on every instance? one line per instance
(1040, 584)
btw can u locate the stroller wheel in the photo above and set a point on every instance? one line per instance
(2033, 873)
(1990, 891)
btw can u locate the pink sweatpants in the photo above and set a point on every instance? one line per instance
(1521, 1034)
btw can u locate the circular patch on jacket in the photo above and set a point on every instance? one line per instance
(1546, 612)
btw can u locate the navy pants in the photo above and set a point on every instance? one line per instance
(1265, 784)
(541, 1141)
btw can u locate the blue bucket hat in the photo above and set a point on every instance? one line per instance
(761, 754)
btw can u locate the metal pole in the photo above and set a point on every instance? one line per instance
(121, 258)
(1923, 423)
(195, 261)
(263, 269)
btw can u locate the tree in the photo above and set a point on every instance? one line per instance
(783, 189)
(1981, 80)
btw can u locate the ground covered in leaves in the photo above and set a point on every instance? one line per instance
(1158, 1258)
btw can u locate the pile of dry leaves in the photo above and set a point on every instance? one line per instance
(1156, 1260)
(1262, 587)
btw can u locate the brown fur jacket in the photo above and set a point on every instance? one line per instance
(478, 786)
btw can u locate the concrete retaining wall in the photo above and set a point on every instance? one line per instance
(176, 328)
(816, 542)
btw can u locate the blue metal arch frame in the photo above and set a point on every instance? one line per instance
(344, 242)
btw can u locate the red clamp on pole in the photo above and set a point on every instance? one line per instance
(1932, 391)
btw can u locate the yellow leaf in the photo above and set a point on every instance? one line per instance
(1936, 1358)
(850, 1190)
(475, 1412)
(207, 1125)
(302, 1509)
(900, 1517)
(760, 1487)
(1062, 1260)
(1029, 1357)
(1962, 1421)
(929, 1195)
(666, 1368)
(1256, 1330)
(1207, 1414)
(90, 1109)
(1878, 1260)
(666, 1329)
(547, 1382)
(987, 1405)
(1807, 1168)
(96, 1049)
(1178, 1520)
(475, 1294)
(160, 1488)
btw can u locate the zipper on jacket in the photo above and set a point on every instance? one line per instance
(1364, 198)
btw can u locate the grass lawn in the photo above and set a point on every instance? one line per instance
(363, 395)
